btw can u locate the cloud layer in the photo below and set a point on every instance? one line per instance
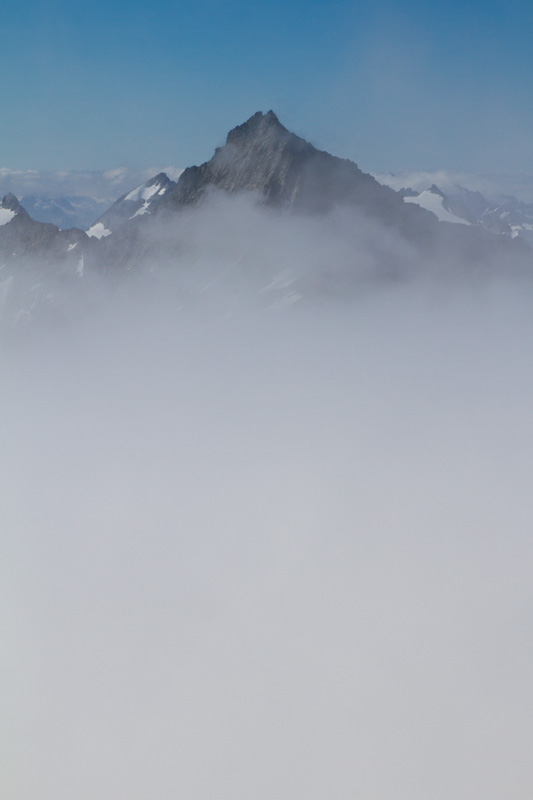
(283, 554)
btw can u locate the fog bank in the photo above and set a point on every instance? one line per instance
(284, 554)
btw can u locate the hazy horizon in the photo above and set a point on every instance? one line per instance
(110, 184)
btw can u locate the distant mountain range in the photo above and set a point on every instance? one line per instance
(287, 175)
(509, 217)
(496, 187)
(504, 214)
(78, 198)
(73, 199)
(65, 212)
(23, 238)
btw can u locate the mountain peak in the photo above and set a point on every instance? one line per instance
(435, 190)
(262, 156)
(161, 178)
(259, 125)
(11, 202)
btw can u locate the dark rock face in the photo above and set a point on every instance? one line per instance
(260, 155)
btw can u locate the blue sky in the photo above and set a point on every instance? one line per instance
(392, 85)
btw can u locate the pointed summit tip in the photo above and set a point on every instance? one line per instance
(257, 123)
(11, 202)
(271, 117)
(258, 117)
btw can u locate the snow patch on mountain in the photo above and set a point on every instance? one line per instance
(6, 215)
(434, 202)
(501, 204)
(140, 211)
(136, 203)
(144, 192)
(98, 230)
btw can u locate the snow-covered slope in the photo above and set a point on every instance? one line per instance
(486, 201)
(136, 203)
(433, 200)
(6, 215)
(145, 193)
(98, 231)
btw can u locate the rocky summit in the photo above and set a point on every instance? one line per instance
(263, 156)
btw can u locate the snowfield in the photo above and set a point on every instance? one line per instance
(433, 202)
(98, 231)
(6, 215)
